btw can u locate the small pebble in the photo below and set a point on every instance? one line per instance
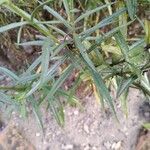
(94, 148)
(67, 147)
(76, 112)
(37, 134)
(116, 145)
(86, 128)
(107, 145)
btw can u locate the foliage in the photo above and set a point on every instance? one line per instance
(80, 39)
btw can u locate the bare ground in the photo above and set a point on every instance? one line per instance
(88, 129)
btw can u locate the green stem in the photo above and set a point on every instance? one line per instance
(41, 28)
(13, 88)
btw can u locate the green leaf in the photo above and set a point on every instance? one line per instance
(147, 31)
(32, 43)
(100, 39)
(9, 73)
(57, 30)
(101, 87)
(26, 16)
(66, 5)
(147, 126)
(58, 111)
(5, 98)
(59, 82)
(132, 8)
(108, 20)
(48, 77)
(28, 78)
(38, 8)
(23, 111)
(36, 111)
(125, 84)
(90, 12)
(123, 20)
(124, 101)
(55, 14)
(73, 89)
(48, 46)
(19, 34)
(145, 82)
(32, 66)
(122, 44)
(12, 26)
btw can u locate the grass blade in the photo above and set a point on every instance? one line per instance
(122, 44)
(59, 82)
(124, 101)
(32, 43)
(38, 8)
(48, 46)
(55, 14)
(9, 73)
(5, 98)
(36, 111)
(125, 84)
(104, 22)
(12, 26)
(66, 5)
(58, 111)
(101, 87)
(90, 12)
(132, 7)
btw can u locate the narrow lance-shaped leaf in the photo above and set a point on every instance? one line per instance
(124, 85)
(12, 26)
(100, 39)
(57, 30)
(101, 87)
(36, 111)
(48, 46)
(5, 98)
(147, 31)
(104, 22)
(26, 16)
(132, 7)
(55, 14)
(32, 43)
(66, 5)
(90, 12)
(9, 73)
(30, 69)
(28, 78)
(124, 101)
(123, 20)
(58, 111)
(59, 82)
(49, 76)
(122, 44)
(38, 8)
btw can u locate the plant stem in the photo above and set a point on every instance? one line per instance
(13, 88)
(27, 17)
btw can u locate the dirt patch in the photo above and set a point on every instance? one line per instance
(11, 139)
(88, 129)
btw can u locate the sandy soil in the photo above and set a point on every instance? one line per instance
(88, 129)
